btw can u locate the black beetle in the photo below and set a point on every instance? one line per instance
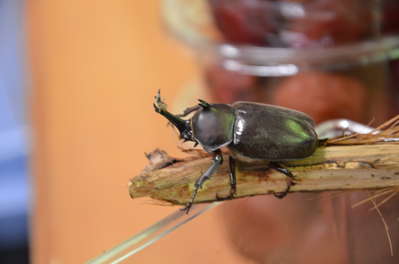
(253, 132)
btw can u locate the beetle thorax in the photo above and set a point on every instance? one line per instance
(213, 126)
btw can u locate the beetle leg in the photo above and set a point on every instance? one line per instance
(322, 142)
(286, 172)
(189, 110)
(182, 125)
(217, 161)
(203, 104)
(232, 174)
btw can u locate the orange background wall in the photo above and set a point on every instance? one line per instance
(95, 68)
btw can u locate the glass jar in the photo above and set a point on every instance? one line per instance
(328, 58)
(343, 77)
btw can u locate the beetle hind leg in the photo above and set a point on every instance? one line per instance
(233, 178)
(217, 161)
(290, 178)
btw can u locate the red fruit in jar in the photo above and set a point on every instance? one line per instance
(329, 23)
(390, 16)
(245, 21)
(323, 96)
(293, 23)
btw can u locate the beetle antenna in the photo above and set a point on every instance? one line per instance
(203, 104)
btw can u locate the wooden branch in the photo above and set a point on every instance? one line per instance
(356, 162)
(330, 168)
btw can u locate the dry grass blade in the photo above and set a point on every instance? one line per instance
(372, 197)
(386, 227)
(389, 197)
(387, 130)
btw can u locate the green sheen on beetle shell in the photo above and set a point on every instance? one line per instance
(299, 134)
(226, 121)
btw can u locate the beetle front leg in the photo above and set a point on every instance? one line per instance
(189, 110)
(290, 178)
(202, 104)
(182, 125)
(217, 161)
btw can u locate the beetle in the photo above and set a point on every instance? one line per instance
(254, 133)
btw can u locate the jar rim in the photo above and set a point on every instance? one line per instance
(364, 52)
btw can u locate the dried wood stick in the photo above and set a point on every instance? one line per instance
(359, 161)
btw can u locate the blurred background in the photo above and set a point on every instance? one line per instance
(77, 80)
(95, 69)
(15, 187)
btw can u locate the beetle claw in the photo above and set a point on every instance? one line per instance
(203, 103)
(156, 108)
(159, 105)
(289, 176)
(187, 208)
(281, 195)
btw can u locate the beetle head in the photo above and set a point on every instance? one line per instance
(211, 125)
